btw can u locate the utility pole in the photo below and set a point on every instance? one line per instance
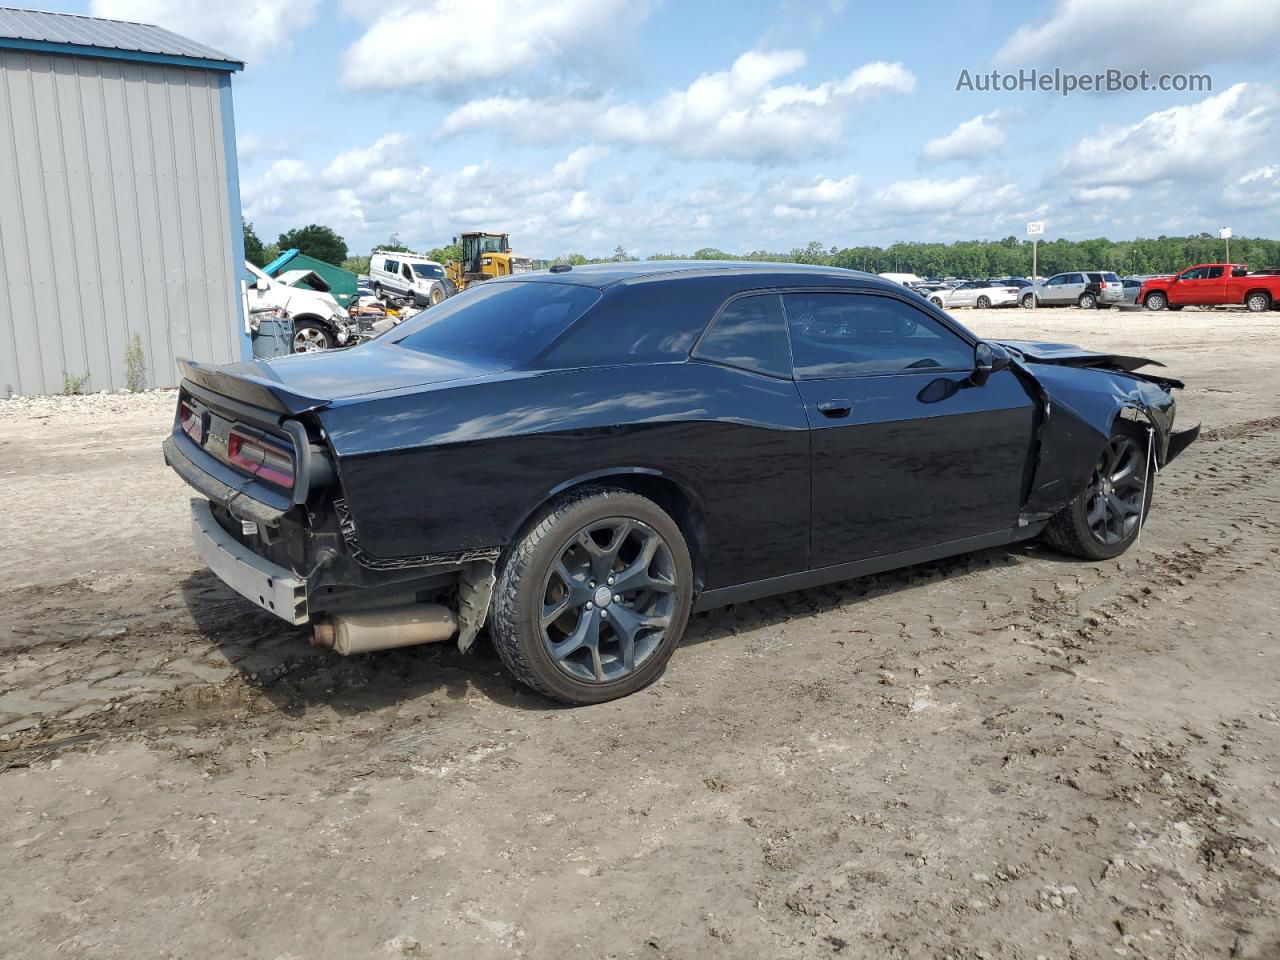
(1035, 230)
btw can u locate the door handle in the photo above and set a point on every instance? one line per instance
(835, 408)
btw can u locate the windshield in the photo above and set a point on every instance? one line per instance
(489, 244)
(429, 271)
(506, 322)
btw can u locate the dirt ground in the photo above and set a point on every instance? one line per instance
(1006, 755)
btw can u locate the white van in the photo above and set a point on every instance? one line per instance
(318, 322)
(408, 275)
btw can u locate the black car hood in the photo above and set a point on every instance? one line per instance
(1037, 351)
(307, 381)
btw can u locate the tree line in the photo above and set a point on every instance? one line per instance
(1010, 257)
(964, 258)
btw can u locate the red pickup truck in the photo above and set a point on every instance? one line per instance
(1210, 284)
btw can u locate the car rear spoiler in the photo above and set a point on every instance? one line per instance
(249, 388)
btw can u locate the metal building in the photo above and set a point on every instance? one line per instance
(119, 203)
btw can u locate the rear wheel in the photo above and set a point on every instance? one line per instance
(593, 599)
(1087, 301)
(1104, 518)
(984, 303)
(936, 301)
(1257, 302)
(1156, 301)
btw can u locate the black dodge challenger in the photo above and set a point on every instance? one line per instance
(581, 457)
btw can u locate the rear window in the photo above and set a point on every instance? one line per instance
(509, 322)
(1110, 278)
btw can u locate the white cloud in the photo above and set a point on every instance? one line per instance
(1257, 189)
(1133, 34)
(1102, 194)
(967, 195)
(741, 113)
(358, 163)
(824, 192)
(973, 138)
(456, 46)
(247, 30)
(1201, 139)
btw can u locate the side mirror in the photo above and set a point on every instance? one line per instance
(262, 283)
(988, 358)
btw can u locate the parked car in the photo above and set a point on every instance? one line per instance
(1212, 284)
(318, 322)
(1090, 290)
(582, 457)
(975, 293)
(1020, 282)
(415, 278)
(1132, 286)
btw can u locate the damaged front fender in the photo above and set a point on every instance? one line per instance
(1082, 396)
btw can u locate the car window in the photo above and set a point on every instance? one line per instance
(1055, 281)
(1095, 277)
(844, 334)
(1194, 274)
(1239, 272)
(504, 321)
(391, 266)
(749, 333)
(1110, 278)
(1213, 273)
(1074, 278)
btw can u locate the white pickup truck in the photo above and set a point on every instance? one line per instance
(318, 322)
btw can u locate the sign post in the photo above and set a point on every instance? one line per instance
(1035, 230)
(1224, 233)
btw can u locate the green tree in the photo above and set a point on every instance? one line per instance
(253, 249)
(315, 241)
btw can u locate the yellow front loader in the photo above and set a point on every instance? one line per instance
(485, 255)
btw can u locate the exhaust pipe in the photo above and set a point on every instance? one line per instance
(363, 630)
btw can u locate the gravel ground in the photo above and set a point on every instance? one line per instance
(1006, 755)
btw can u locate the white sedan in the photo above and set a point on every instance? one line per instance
(975, 293)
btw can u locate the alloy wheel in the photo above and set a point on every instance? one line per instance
(309, 340)
(1116, 494)
(608, 600)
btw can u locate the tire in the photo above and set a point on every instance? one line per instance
(310, 336)
(1028, 301)
(1103, 520)
(437, 295)
(1156, 301)
(1087, 301)
(1258, 302)
(561, 556)
(984, 303)
(936, 301)
(377, 291)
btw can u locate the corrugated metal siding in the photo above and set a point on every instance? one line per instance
(51, 27)
(114, 221)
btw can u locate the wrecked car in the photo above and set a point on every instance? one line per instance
(580, 458)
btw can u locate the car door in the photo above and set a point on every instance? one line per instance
(1052, 292)
(1206, 287)
(1182, 290)
(1072, 286)
(907, 450)
(963, 295)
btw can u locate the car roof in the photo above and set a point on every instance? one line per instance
(607, 274)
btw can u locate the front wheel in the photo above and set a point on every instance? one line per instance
(1258, 302)
(1156, 301)
(1104, 519)
(311, 337)
(437, 294)
(1028, 301)
(591, 602)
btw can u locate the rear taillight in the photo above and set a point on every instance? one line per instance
(260, 457)
(192, 423)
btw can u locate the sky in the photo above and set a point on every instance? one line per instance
(671, 125)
